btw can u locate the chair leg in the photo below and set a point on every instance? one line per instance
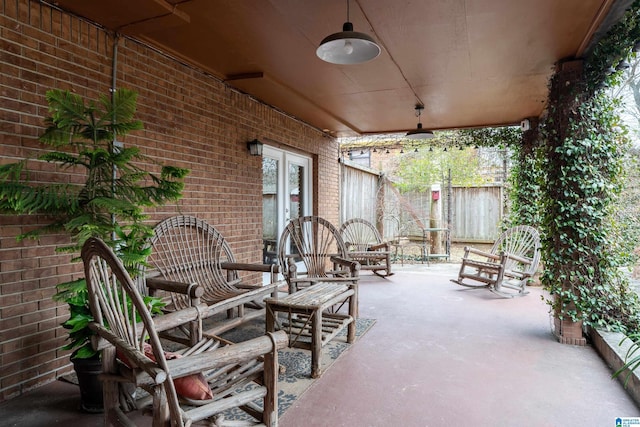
(351, 329)
(110, 389)
(316, 343)
(519, 289)
(475, 284)
(161, 413)
(270, 402)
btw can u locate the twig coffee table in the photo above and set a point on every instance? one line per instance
(308, 324)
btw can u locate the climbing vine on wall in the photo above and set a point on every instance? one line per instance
(583, 172)
(524, 187)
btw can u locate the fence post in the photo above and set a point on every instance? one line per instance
(435, 218)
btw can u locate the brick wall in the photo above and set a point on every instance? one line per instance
(191, 120)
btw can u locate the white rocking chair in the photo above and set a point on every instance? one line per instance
(507, 268)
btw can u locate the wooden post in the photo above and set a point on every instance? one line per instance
(435, 219)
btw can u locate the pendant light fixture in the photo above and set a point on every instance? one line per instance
(419, 132)
(348, 46)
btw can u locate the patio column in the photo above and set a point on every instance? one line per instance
(568, 89)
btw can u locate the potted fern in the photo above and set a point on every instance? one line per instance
(107, 203)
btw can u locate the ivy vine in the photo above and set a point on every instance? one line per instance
(524, 186)
(582, 164)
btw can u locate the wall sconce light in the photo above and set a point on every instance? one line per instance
(255, 147)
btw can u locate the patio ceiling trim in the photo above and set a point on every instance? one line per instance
(604, 11)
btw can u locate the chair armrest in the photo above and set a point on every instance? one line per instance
(106, 338)
(228, 355)
(272, 269)
(265, 268)
(482, 253)
(518, 258)
(190, 289)
(352, 265)
(384, 246)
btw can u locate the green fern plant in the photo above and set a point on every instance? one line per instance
(108, 203)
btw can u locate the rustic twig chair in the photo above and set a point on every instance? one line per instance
(188, 250)
(317, 244)
(209, 377)
(365, 245)
(506, 269)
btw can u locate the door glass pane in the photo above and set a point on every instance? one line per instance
(296, 190)
(269, 209)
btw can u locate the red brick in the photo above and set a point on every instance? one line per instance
(191, 120)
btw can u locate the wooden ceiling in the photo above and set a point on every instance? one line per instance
(472, 63)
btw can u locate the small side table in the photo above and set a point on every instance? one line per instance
(307, 323)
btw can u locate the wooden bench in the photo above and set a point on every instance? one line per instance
(191, 252)
(308, 324)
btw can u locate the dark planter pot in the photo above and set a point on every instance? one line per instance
(87, 371)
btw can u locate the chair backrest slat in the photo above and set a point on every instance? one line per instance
(359, 234)
(187, 249)
(523, 241)
(312, 240)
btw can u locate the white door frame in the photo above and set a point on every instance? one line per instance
(285, 159)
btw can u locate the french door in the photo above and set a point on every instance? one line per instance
(286, 194)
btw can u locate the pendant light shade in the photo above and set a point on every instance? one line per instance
(419, 132)
(348, 46)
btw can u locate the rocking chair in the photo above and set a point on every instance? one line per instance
(506, 269)
(190, 385)
(365, 245)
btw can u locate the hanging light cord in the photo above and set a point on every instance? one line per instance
(380, 42)
(419, 108)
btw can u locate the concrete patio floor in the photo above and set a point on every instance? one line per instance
(438, 355)
(444, 355)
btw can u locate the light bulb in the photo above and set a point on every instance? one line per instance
(348, 47)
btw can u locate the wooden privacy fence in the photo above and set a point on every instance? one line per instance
(360, 191)
(472, 214)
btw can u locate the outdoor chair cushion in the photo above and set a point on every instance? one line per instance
(192, 386)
